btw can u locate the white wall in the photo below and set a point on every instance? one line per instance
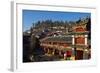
(5, 35)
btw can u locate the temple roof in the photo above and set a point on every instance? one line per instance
(79, 33)
(64, 39)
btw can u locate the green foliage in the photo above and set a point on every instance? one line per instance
(51, 23)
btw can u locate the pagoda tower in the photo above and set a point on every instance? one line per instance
(80, 41)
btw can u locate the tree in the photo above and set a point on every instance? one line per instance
(36, 48)
(78, 21)
(88, 27)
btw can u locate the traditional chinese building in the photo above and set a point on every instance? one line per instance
(74, 44)
(80, 42)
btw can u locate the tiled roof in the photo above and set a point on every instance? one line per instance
(66, 39)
